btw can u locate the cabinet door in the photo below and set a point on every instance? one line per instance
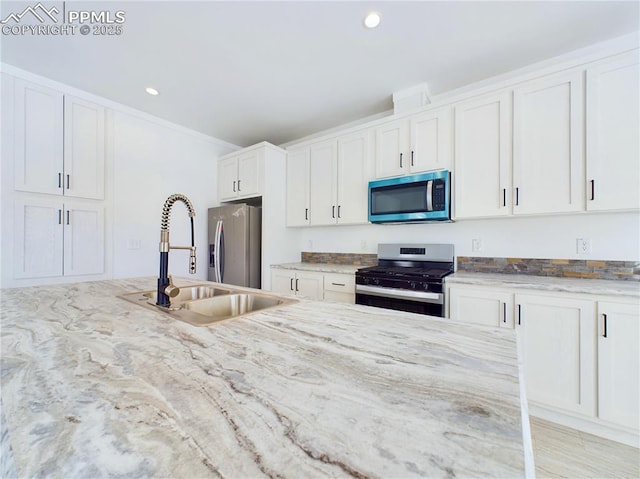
(483, 157)
(340, 288)
(38, 155)
(481, 306)
(322, 189)
(298, 187)
(392, 147)
(558, 338)
(38, 238)
(353, 178)
(83, 239)
(619, 363)
(309, 285)
(84, 149)
(228, 178)
(248, 174)
(613, 168)
(282, 281)
(548, 145)
(430, 141)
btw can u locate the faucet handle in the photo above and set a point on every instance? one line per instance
(171, 290)
(192, 260)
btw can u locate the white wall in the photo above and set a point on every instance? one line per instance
(614, 236)
(151, 162)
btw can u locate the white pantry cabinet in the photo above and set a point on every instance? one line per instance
(239, 175)
(548, 138)
(482, 171)
(58, 238)
(59, 143)
(613, 141)
(557, 337)
(307, 284)
(298, 167)
(619, 363)
(479, 305)
(421, 142)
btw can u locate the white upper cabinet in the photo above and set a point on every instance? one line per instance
(548, 137)
(353, 175)
(482, 170)
(419, 143)
(239, 175)
(323, 187)
(84, 148)
(613, 151)
(298, 160)
(59, 143)
(430, 141)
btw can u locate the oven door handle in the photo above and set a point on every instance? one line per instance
(419, 296)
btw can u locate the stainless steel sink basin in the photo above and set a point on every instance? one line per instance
(206, 304)
(232, 305)
(189, 293)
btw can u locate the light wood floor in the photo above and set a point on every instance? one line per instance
(561, 452)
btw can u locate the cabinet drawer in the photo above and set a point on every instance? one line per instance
(341, 283)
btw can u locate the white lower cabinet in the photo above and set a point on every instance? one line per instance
(337, 287)
(58, 238)
(579, 352)
(619, 363)
(557, 341)
(307, 284)
(479, 306)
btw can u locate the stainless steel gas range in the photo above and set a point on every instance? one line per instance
(408, 277)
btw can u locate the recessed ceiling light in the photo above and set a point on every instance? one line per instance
(151, 91)
(372, 20)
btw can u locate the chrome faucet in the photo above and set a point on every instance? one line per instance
(166, 288)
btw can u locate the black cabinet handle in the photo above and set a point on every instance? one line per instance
(504, 197)
(333, 211)
(291, 285)
(297, 285)
(338, 284)
(67, 217)
(306, 214)
(59, 217)
(238, 185)
(519, 315)
(517, 196)
(234, 186)
(593, 189)
(411, 157)
(339, 212)
(59, 180)
(504, 312)
(68, 182)
(400, 160)
(604, 324)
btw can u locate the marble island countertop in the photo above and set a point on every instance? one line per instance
(94, 386)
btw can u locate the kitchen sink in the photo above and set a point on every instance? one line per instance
(203, 305)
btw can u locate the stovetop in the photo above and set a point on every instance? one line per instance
(409, 272)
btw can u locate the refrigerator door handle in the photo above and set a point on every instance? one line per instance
(221, 260)
(217, 253)
(212, 255)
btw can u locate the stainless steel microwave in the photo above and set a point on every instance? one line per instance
(414, 198)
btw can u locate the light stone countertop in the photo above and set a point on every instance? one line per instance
(320, 267)
(598, 287)
(94, 386)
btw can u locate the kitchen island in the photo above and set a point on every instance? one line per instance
(94, 386)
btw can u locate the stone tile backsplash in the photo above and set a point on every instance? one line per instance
(562, 268)
(356, 259)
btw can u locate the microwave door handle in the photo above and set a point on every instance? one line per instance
(430, 195)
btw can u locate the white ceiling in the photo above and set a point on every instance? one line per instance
(251, 71)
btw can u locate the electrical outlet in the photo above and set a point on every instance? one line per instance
(476, 245)
(583, 245)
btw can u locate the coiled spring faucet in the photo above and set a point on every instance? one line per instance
(166, 289)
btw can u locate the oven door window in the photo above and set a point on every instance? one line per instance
(431, 309)
(392, 199)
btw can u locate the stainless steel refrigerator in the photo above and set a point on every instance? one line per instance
(235, 244)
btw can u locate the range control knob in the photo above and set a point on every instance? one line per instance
(376, 281)
(412, 285)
